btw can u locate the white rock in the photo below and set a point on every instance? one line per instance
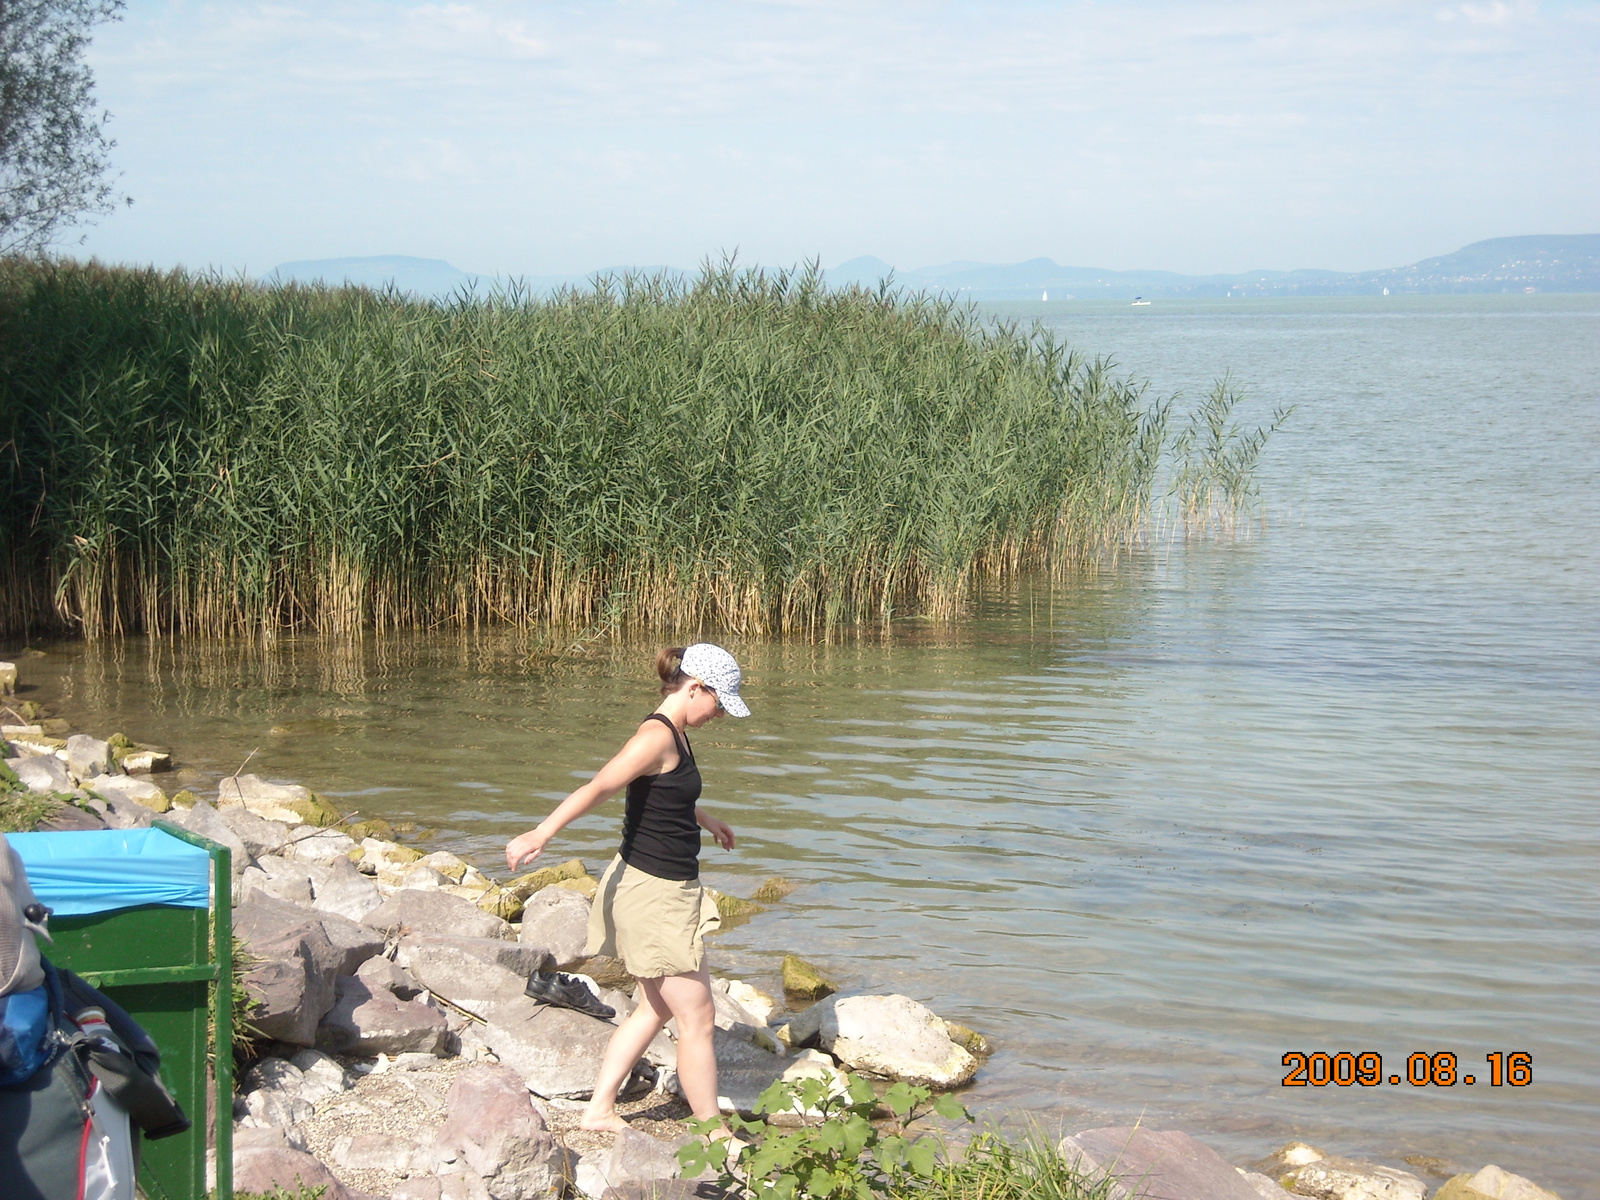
(889, 1036)
(42, 773)
(319, 847)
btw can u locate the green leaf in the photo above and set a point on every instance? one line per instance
(923, 1156)
(900, 1099)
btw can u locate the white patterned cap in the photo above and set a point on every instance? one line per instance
(716, 668)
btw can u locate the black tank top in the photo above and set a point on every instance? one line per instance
(659, 834)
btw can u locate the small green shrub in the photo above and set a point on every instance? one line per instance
(836, 1152)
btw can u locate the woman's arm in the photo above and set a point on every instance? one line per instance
(720, 830)
(642, 755)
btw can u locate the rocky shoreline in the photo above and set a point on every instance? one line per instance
(396, 1052)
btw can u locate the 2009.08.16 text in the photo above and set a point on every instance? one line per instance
(1512, 1068)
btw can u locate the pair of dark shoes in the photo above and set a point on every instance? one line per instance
(567, 991)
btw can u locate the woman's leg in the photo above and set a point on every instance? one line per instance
(688, 998)
(626, 1047)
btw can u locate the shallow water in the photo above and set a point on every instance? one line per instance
(1330, 788)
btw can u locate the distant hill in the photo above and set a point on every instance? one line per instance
(1545, 263)
(1559, 263)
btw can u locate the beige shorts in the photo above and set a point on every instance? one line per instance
(655, 926)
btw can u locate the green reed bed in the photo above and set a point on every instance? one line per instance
(743, 451)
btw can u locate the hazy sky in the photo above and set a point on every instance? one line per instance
(542, 138)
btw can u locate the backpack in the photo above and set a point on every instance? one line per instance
(70, 1130)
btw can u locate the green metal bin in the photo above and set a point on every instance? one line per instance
(145, 940)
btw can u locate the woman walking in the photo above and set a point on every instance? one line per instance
(650, 910)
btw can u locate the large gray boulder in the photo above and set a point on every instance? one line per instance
(492, 1130)
(259, 835)
(462, 978)
(294, 982)
(633, 1158)
(520, 958)
(892, 1037)
(409, 912)
(367, 1020)
(89, 756)
(556, 1051)
(208, 823)
(42, 773)
(340, 889)
(1146, 1162)
(557, 919)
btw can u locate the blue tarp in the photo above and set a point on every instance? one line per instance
(106, 869)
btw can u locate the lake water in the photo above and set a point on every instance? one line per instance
(1330, 788)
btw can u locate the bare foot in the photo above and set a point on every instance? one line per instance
(603, 1122)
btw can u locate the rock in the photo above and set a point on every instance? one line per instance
(1492, 1183)
(558, 920)
(435, 912)
(732, 906)
(342, 890)
(970, 1040)
(889, 1036)
(208, 823)
(42, 773)
(633, 1158)
(141, 791)
(582, 884)
(1307, 1171)
(66, 817)
(520, 959)
(607, 972)
(272, 1137)
(260, 836)
(419, 877)
(1265, 1188)
(556, 1051)
(447, 864)
(744, 1070)
(464, 979)
(322, 846)
(89, 756)
(381, 975)
(268, 1107)
(144, 759)
(773, 890)
(380, 856)
(8, 679)
(802, 981)
(492, 1130)
(524, 886)
(39, 743)
(265, 1168)
(289, 803)
(364, 1152)
(364, 1020)
(320, 1076)
(280, 878)
(1147, 1162)
(422, 1187)
(294, 982)
(461, 1185)
(754, 1001)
